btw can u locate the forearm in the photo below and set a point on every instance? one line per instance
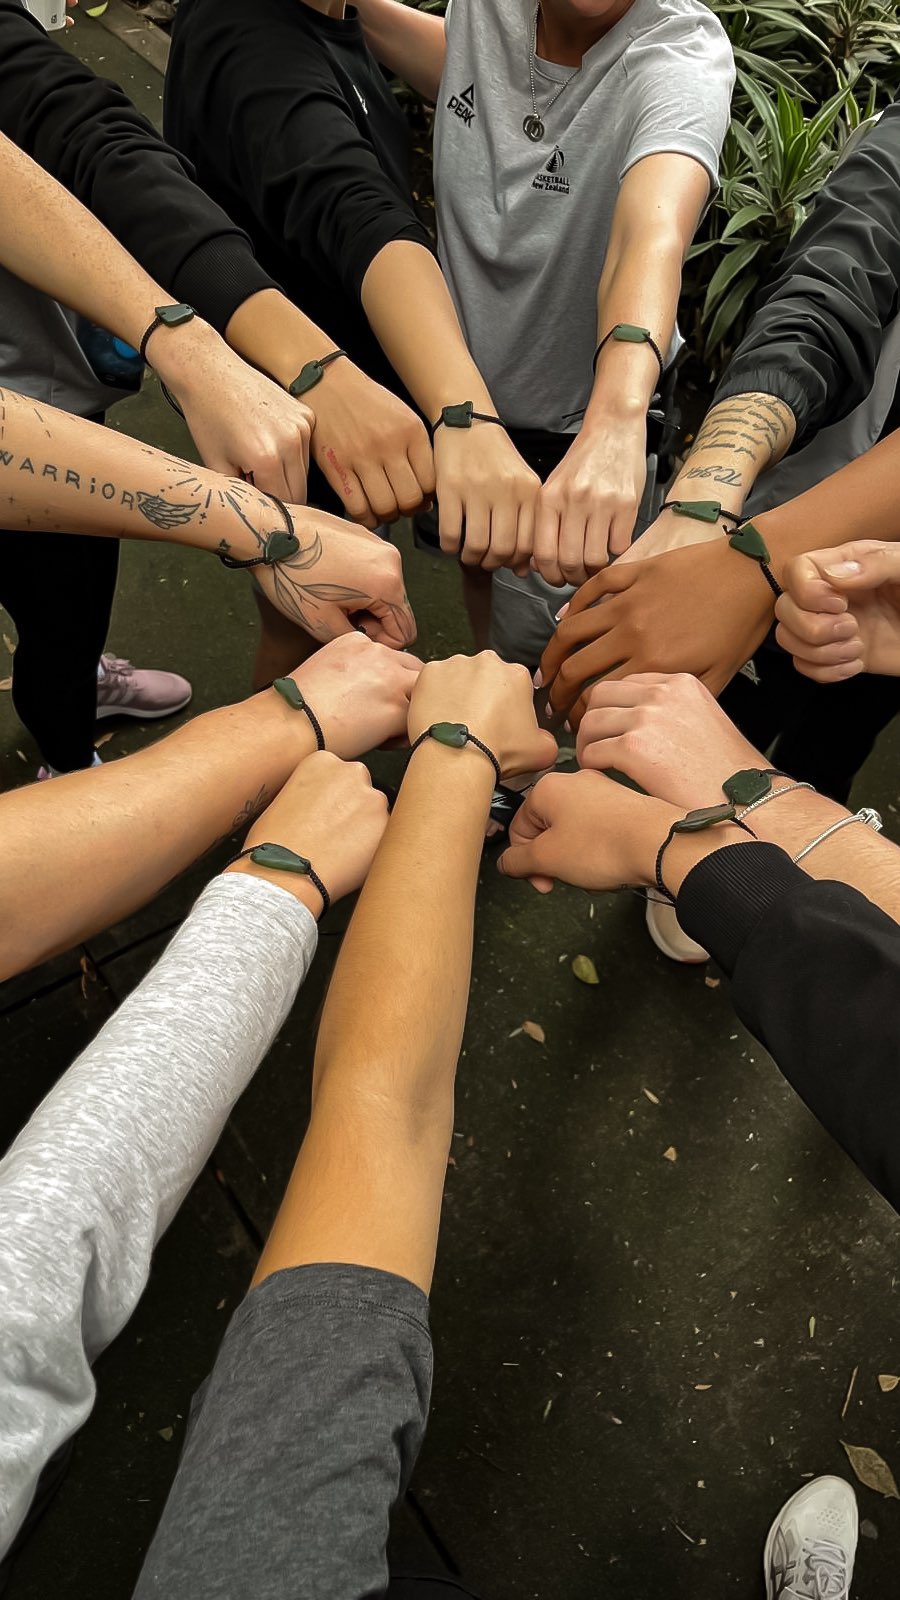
(51, 241)
(90, 847)
(856, 855)
(409, 308)
(858, 502)
(383, 1090)
(738, 440)
(411, 43)
(640, 285)
(273, 335)
(61, 473)
(104, 1164)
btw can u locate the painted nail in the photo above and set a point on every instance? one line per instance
(538, 680)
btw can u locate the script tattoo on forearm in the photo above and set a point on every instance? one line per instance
(755, 427)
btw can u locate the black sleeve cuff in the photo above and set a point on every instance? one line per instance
(753, 376)
(723, 899)
(219, 276)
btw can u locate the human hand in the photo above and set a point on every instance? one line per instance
(483, 482)
(359, 692)
(840, 612)
(702, 610)
(372, 448)
(329, 813)
(587, 508)
(493, 699)
(586, 830)
(667, 733)
(242, 423)
(341, 578)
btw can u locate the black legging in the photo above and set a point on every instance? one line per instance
(58, 588)
(822, 733)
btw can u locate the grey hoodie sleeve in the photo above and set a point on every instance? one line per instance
(100, 1170)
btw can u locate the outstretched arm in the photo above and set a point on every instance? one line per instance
(328, 1361)
(90, 847)
(100, 1170)
(240, 420)
(589, 504)
(62, 474)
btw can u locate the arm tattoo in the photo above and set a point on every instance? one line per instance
(756, 426)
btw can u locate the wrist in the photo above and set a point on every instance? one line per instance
(466, 769)
(285, 734)
(291, 883)
(687, 850)
(722, 480)
(174, 353)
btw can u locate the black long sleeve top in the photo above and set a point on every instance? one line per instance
(817, 331)
(815, 971)
(85, 131)
(294, 129)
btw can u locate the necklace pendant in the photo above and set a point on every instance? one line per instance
(533, 128)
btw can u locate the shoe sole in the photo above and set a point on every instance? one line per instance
(142, 716)
(668, 950)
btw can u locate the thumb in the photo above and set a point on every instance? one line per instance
(863, 566)
(807, 586)
(522, 861)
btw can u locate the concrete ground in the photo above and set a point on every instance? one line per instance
(637, 1359)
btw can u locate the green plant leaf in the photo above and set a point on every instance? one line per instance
(729, 311)
(728, 269)
(741, 218)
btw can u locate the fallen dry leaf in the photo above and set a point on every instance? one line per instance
(5, 683)
(9, 644)
(653, 1098)
(584, 970)
(671, 1154)
(887, 1382)
(167, 1434)
(103, 739)
(534, 1031)
(702, 1387)
(712, 983)
(812, 1327)
(871, 1470)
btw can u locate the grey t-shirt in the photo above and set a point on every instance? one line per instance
(523, 227)
(300, 1443)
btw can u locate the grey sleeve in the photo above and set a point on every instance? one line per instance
(300, 1444)
(100, 1170)
(679, 81)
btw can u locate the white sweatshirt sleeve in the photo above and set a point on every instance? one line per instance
(100, 1170)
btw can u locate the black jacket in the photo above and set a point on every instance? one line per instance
(816, 335)
(86, 132)
(294, 129)
(815, 971)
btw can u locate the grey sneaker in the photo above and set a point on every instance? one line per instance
(812, 1544)
(127, 691)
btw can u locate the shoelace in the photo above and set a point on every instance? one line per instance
(822, 1568)
(116, 667)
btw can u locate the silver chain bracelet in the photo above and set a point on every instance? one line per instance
(772, 795)
(867, 815)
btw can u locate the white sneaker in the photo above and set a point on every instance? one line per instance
(667, 933)
(812, 1544)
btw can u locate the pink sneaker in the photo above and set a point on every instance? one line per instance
(127, 691)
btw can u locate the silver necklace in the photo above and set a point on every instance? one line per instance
(533, 125)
